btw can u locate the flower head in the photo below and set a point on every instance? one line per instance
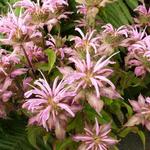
(90, 75)
(111, 38)
(138, 57)
(144, 15)
(86, 42)
(34, 52)
(142, 112)
(48, 13)
(5, 93)
(135, 34)
(96, 138)
(50, 105)
(14, 29)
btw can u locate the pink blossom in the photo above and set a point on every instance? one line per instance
(142, 112)
(91, 73)
(18, 72)
(53, 5)
(14, 29)
(34, 52)
(7, 63)
(82, 9)
(51, 105)
(94, 76)
(138, 57)
(111, 38)
(37, 15)
(58, 45)
(26, 83)
(144, 15)
(142, 10)
(5, 94)
(135, 34)
(86, 41)
(96, 138)
(108, 28)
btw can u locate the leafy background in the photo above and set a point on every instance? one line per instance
(14, 133)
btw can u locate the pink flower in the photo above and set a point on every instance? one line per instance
(144, 14)
(34, 52)
(53, 5)
(111, 38)
(58, 44)
(37, 15)
(8, 65)
(50, 105)
(90, 73)
(14, 29)
(5, 94)
(138, 57)
(95, 138)
(86, 41)
(142, 112)
(82, 9)
(94, 76)
(135, 34)
(18, 72)
(108, 28)
(142, 10)
(26, 83)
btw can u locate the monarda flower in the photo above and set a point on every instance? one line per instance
(5, 93)
(86, 42)
(50, 105)
(135, 34)
(38, 15)
(35, 53)
(8, 65)
(58, 45)
(142, 112)
(111, 38)
(138, 57)
(93, 76)
(96, 138)
(144, 15)
(53, 5)
(14, 29)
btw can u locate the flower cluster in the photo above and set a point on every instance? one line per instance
(142, 109)
(96, 137)
(85, 74)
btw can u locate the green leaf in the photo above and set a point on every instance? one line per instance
(142, 137)
(51, 58)
(77, 123)
(132, 3)
(129, 109)
(125, 11)
(62, 145)
(13, 135)
(33, 132)
(125, 132)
